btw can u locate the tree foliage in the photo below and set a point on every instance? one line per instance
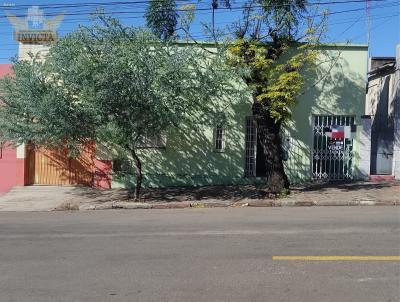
(162, 18)
(114, 85)
(277, 41)
(33, 108)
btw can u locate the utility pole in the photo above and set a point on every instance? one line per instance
(397, 115)
(368, 18)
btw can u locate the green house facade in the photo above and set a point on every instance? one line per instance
(333, 97)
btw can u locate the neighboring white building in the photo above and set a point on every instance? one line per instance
(381, 125)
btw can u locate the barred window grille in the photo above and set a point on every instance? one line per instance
(250, 148)
(219, 139)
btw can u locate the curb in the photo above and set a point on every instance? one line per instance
(238, 204)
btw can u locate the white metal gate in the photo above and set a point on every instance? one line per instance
(332, 159)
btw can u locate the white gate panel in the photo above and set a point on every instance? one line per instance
(332, 159)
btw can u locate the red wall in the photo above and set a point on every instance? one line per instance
(102, 174)
(5, 69)
(11, 169)
(9, 165)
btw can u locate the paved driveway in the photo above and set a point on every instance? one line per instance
(36, 198)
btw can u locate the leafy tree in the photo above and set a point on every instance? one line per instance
(114, 85)
(276, 40)
(162, 18)
(34, 109)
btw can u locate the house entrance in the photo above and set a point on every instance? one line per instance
(332, 153)
(255, 164)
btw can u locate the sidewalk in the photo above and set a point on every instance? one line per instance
(47, 198)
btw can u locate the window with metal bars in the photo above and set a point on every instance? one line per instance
(250, 148)
(219, 139)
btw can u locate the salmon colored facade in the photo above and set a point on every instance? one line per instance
(26, 165)
(12, 169)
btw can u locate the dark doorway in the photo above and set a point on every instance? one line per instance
(261, 165)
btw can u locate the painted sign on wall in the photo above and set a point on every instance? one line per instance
(34, 28)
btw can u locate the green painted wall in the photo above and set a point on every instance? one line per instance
(336, 87)
(189, 157)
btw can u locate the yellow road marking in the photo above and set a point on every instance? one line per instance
(336, 258)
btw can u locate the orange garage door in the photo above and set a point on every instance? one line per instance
(55, 167)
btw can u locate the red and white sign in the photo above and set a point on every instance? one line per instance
(340, 132)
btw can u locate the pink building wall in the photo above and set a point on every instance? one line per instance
(102, 177)
(13, 167)
(12, 170)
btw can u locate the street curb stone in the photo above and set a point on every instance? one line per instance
(131, 205)
(242, 203)
(261, 203)
(171, 205)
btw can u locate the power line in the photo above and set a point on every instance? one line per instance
(352, 39)
(207, 8)
(331, 13)
(220, 12)
(113, 3)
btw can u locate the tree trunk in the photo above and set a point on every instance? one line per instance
(138, 174)
(269, 137)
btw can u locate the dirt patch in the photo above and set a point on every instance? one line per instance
(309, 192)
(67, 206)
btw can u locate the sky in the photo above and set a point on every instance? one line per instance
(347, 21)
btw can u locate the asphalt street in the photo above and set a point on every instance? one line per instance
(195, 255)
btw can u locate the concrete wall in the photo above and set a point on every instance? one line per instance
(189, 157)
(26, 50)
(375, 86)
